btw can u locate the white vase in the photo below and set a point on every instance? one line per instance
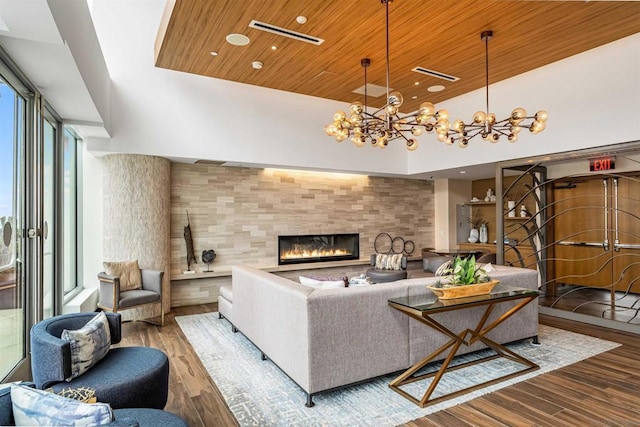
(511, 205)
(484, 233)
(473, 236)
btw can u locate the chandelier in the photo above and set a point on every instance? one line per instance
(385, 124)
(485, 124)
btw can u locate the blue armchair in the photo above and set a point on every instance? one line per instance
(127, 377)
(143, 417)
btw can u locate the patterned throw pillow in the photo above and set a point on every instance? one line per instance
(127, 271)
(389, 262)
(33, 407)
(88, 344)
(443, 269)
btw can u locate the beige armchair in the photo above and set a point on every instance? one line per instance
(113, 299)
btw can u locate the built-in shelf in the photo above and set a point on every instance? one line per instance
(225, 270)
(517, 218)
(480, 203)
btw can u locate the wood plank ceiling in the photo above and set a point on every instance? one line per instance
(441, 35)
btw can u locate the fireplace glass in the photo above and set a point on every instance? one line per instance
(318, 248)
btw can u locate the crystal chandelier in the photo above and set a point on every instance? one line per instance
(385, 124)
(485, 124)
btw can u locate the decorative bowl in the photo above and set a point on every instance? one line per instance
(464, 290)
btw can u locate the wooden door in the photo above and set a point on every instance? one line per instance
(625, 230)
(580, 253)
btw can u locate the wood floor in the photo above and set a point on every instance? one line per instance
(600, 391)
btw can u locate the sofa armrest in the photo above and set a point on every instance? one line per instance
(109, 294)
(50, 357)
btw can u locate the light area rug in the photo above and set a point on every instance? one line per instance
(260, 394)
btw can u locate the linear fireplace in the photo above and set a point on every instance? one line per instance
(318, 248)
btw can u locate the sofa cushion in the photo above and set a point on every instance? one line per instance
(88, 344)
(127, 271)
(38, 407)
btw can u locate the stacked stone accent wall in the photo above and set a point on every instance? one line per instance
(239, 212)
(136, 192)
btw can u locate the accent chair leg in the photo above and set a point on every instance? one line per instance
(220, 316)
(535, 340)
(309, 403)
(234, 329)
(263, 356)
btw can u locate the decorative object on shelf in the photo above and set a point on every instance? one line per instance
(523, 211)
(489, 195)
(474, 200)
(386, 123)
(208, 256)
(511, 205)
(475, 220)
(464, 278)
(485, 123)
(484, 233)
(191, 257)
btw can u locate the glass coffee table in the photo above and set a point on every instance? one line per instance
(422, 307)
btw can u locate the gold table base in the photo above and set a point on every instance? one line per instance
(477, 334)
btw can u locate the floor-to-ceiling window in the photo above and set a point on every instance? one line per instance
(12, 308)
(38, 215)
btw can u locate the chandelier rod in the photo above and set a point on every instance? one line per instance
(486, 36)
(386, 2)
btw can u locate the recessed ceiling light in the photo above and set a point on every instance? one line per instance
(435, 88)
(414, 97)
(274, 47)
(257, 65)
(237, 39)
(301, 19)
(213, 53)
(417, 83)
(463, 171)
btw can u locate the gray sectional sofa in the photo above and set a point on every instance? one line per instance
(328, 338)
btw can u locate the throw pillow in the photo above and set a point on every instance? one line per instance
(33, 407)
(389, 262)
(487, 267)
(83, 394)
(88, 344)
(321, 284)
(443, 269)
(127, 271)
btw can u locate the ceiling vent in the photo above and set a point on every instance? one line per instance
(373, 90)
(284, 32)
(436, 74)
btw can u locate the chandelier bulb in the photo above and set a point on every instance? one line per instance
(513, 137)
(463, 143)
(396, 99)
(479, 117)
(412, 144)
(442, 114)
(416, 131)
(541, 116)
(356, 108)
(427, 109)
(339, 116)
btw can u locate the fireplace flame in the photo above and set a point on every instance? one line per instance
(313, 253)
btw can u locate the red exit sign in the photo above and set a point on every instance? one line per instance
(602, 164)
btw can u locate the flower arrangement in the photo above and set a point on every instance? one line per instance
(462, 272)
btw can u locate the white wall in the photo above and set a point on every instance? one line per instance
(91, 219)
(593, 99)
